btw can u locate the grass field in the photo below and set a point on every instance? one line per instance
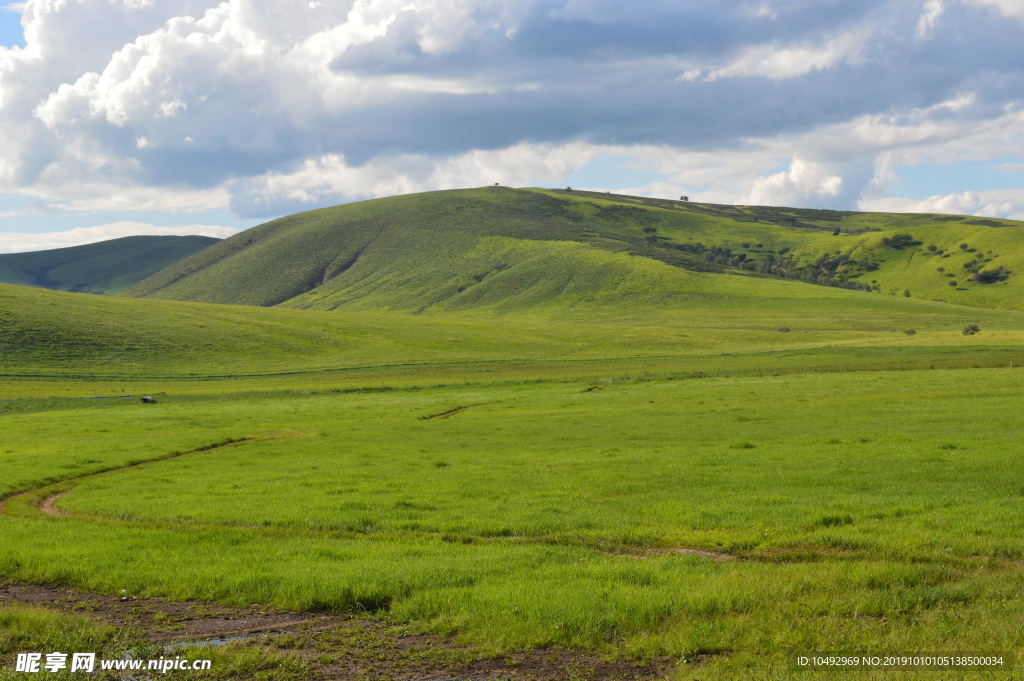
(515, 483)
(559, 437)
(871, 521)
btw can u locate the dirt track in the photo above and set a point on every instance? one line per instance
(338, 647)
(47, 504)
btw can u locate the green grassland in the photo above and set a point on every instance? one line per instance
(539, 425)
(729, 325)
(867, 522)
(32, 628)
(497, 250)
(104, 267)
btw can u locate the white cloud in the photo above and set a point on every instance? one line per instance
(20, 242)
(1009, 8)
(766, 10)
(834, 166)
(1000, 203)
(72, 195)
(329, 179)
(185, 105)
(930, 14)
(804, 183)
(773, 60)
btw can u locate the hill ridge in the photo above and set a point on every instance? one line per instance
(423, 252)
(101, 267)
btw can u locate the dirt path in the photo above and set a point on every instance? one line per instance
(161, 620)
(452, 412)
(703, 553)
(47, 504)
(337, 647)
(48, 507)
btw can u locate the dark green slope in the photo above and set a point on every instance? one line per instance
(508, 249)
(103, 267)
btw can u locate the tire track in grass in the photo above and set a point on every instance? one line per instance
(453, 411)
(703, 553)
(48, 502)
(346, 646)
(47, 505)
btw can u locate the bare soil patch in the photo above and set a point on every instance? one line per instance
(337, 646)
(158, 619)
(47, 505)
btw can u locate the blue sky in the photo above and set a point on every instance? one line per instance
(210, 116)
(10, 26)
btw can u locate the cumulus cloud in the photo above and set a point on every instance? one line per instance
(265, 105)
(1003, 203)
(329, 179)
(21, 242)
(804, 183)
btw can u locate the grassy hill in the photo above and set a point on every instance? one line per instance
(500, 400)
(729, 324)
(502, 250)
(104, 267)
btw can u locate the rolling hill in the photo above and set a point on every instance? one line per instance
(496, 400)
(506, 276)
(683, 322)
(103, 267)
(503, 250)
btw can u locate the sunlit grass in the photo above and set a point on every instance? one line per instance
(862, 517)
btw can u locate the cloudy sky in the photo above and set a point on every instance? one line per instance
(197, 116)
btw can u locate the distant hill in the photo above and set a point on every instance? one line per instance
(499, 249)
(103, 267)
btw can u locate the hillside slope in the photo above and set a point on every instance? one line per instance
(742, 321)
(103, 267)
(503, 250)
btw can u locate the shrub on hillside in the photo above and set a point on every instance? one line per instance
(900, 241)
(971, 329)
(991, 276)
